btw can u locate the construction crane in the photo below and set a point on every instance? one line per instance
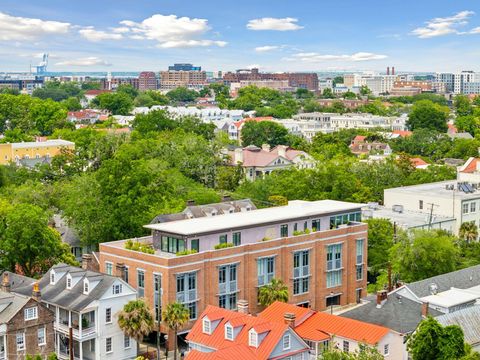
(41, 68)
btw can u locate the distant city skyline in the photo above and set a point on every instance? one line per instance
(309, 35)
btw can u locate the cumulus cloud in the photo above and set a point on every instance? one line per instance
(313, 57)
(266, 48)
(21, 28)
(443, 26)
(88, 61)
(170, 31)
(276, 24)
(91, 34)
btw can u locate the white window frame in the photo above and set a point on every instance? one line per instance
(229, 332)
(206, 326)
(108, 268)
(44, 333)
(108, 315)
(86, 286)
(127, 342)
(52, 277)
(20, 336)
(69, 281)
(253, 338)
(287, 342)
(31, 313)
(117, 289)
(106, 345)
(386, 349)
(346, 346)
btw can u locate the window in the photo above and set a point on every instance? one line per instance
(420, 204)
(117, 289)
(85, 286)
(295, 227)
(336, 221)
(92, 345)
(206, 326)
(386, 349)
(187, 292)
(125, 274)
(108, 268)
(41, 336)
(108, 345)
(52, 277)
(286, 342)
(31, 313)
(473, 207)
(69, 281)
(315, 225)
(265, 270)
(108, 315)
(195, 245)
(227, 286)
(222, 239)
(359, 259)
(333, 300)
(283, 230)
(465, 208)
(141, 283)
(301, 272)
(157, 286)
(252, 338)
(20, 341)
(229, 332)
(346, 346)
(126, 342)
(334, 265)
(237, 238)
(305, 226)
(172, 245)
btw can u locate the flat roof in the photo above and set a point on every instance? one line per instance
(437, 189)
(56, 142)
(450, 298)
(294, 209)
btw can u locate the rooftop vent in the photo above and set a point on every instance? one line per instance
(433, 288)
(373, 205)
(397, 208)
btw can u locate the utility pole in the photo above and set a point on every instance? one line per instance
(430, 218)
(389, 272)
(394, 232)
(70, 342)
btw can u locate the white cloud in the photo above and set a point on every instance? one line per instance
(171, 31)
(98, 35)
(443, 26)
(277, 24)
(313, 57)
(88, 61)
(266, 48)
(20, 28)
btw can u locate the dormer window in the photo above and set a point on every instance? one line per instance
(286, 342)
(69, 281)
(228, 332)
(206, 326)
(252, 338)
(52, 277)
(86, 287)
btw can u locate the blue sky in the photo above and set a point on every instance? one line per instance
(280, 35)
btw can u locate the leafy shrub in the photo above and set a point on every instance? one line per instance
(223, 246)
(186, 252)
(139, 246)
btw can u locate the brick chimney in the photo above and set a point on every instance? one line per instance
(393, 70)
(265, 147)
(425, 309)
(6, 282)
(242, 306)
(381, 298)
(282, 150)
(388, 70)
(289, 319)
(36, 294)
(86, 261)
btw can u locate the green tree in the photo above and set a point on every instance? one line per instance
(136, 320)
(427, 115)
(48, 115)
(72, 104)
(175, 315)
(276, 290)
(365, 352)
(467, 123)
(462, 105)
(127, 89)
(182, 94)
(380, 240)
(349, 95)
(301, 93)
(28, 242)
(468, 231)
(264, 132)
(118, 103)
(365, 90)
(229, 177)
(432, 341)
(423, 254)
(338, 80)
(328, 94)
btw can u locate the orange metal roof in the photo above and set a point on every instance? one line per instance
(234, 352)
(402, 133)
(470, 166)
(277, 310)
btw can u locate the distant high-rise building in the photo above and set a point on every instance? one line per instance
(184, 67)
(147, 80)
(173, 79)
(456, 82)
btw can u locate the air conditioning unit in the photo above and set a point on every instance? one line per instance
(397, 208)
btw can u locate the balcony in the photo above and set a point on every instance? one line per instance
(81, 350)
(81, 330)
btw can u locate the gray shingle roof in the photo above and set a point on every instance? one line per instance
(72, 299)
(10, 305)
(69, 235)
(468, 319)
(460, 279)
(398, 313)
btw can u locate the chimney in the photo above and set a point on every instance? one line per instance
(265, 147)
(242, 306)
(425, 309)
(393, 70)
(238, 156)
(226, 198)
(388, 70)
(6, 282)
(86, 261)
(190, 202)
(36, 295)
(289, 319)
(381, 298)
(282, 149)
(120, 269)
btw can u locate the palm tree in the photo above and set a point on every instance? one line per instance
(469, 231)
(136, 320)
(175, 316)
(276, 290)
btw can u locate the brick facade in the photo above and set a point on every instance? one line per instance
(30, 328)
(206, 265)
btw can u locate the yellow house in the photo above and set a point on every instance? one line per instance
(35, 151)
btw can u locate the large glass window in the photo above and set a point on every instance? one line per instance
(141, 283)
(237, 238)
(334, 265)
(265, 270)
(227, 286)
(222, 239)
(283, 230)
(301, 272)
(187, 292)
(316, 225)
(342, 219)
(195, 245)
(157, 286)
(172, 245)
(359, 259)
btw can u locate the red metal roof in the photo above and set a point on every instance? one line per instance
(470, 166)
(402, 133)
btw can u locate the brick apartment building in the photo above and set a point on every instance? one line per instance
(172, 79)
(322, 266)
(296, 80)
(147, 80)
